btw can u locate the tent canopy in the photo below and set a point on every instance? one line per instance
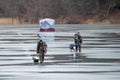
(47, 25)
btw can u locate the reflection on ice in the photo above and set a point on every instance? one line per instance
(47, 36)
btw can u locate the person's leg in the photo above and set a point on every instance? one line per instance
(79, 47)
(43, 54)
(40, 56)
(76, 48)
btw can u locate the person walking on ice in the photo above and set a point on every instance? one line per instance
(78, 42)
(41, 50)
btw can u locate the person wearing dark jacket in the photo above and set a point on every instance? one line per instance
(78, 41)
(41, 50)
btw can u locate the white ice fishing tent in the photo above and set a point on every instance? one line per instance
(47, 25)
(47, 29)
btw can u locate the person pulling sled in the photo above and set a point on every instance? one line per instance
(41, 50)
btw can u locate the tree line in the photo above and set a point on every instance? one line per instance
(33, 10)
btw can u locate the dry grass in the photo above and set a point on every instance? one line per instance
(9, 21)
(113, 18)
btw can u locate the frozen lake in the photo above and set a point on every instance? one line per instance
(99, 60)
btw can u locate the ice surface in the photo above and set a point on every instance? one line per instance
(99, 59)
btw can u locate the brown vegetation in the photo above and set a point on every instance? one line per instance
(113, 18)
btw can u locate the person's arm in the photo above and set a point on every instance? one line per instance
(45, 47)
(81, 39)
(38, 46)
(74, 37)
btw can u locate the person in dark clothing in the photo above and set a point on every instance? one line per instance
(41, 50)
(78, 41)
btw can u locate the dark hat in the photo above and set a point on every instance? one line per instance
(40, 39)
